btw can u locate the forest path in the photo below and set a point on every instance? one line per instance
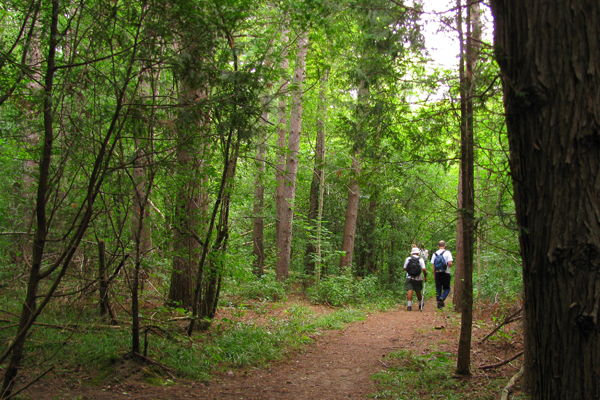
(337, 366)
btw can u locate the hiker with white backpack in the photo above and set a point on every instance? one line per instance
(442, 261)
(416, 273)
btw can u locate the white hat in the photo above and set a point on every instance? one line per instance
(415, 250)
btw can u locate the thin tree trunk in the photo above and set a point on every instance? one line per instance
(105, 307)
(280, 202)
(39, 240)
(31, 310)
(459, 259)
(316, 187)
(467, 164)
(259, 201)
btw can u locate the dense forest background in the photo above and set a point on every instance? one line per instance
(163, 158)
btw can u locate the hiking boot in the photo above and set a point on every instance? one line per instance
(421, 305)
(409, 308)
(441, 303)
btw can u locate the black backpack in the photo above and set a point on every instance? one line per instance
(414, 267)
(439, 263)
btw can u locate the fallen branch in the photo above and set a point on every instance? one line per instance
(163, 367)
(508, 320)
(382, 363)
(511, 384)
(29, 384)
(42, 324)
(503, 362)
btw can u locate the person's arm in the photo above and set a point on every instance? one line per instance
(424, 270)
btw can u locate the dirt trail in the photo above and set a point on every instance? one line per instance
(337, 366)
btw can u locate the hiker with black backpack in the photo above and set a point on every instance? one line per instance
(415, 274)
(442, 261)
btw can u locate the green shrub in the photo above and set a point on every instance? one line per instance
(346, 290)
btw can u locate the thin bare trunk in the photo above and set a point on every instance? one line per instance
(316, 187)
(467, 164)
(259, 201)
(280, 202)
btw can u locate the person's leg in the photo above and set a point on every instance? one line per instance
(446, 286)
(409, 292)
(444, 280)
(438, 289)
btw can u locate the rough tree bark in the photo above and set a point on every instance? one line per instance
(354, 188)
(549, 55)
(288, 186)
(351, 217)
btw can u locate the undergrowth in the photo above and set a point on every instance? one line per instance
(410, 376)
(229, 344)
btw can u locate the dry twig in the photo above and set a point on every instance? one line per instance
(519, 354)
(508, 320)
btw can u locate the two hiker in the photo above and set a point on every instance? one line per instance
(416, 274)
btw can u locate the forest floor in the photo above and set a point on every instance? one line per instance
(338, 364)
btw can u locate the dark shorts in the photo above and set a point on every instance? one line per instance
(412, 284)
(442, 280)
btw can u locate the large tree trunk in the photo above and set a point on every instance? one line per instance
(549, 54)
(351, 217)
(288, 186)
(362, 112)
(191, 201)
(185, 224)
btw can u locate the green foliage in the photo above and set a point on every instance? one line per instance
(346, 290)
(229, 344)
(251, 287)
(501, 278)
(416, 377)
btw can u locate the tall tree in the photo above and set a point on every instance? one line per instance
(316, 187)
(467, 193)
(549, 55)
(287, 184)
(349, 233)
(259, 197)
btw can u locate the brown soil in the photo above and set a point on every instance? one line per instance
(338, 365)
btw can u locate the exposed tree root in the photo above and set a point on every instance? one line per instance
(511, 384)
